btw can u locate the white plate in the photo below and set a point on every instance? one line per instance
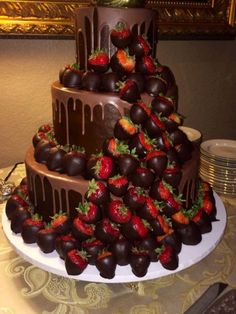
(220, 148)
(188, 256)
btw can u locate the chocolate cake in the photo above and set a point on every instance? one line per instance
(113, 180)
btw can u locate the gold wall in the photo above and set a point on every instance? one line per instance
(205, 72)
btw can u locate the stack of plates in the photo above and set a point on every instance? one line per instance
(218, 165)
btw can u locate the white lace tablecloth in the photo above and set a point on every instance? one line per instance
(26, 289)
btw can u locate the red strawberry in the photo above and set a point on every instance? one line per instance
(106, 264)
(118, 185)
(139, 112)
(82, 230)
(157, 161)
(139, 262)
(16, 200)
(118, 212)
(124, 129)
(128, 91)
(145, 65)
(173, 121)
(164, 142)
(179, 218)
(155, 85)
(72, 76)
(135, 229)
(106, 231)
(168, 257)
(208, 205)
(121, 36)
(30, 228)
(122, 63)
(98, 61)
(139, 46)
(160, 225)
(76, 262)
(45, 128)
(61, 223)
(97, 192)
(88, 212)
(100, 167)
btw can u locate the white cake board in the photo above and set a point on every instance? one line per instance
(188, 256)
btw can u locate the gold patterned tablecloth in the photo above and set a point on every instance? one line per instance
(26, 289)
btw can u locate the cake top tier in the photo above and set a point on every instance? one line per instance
(94, 25)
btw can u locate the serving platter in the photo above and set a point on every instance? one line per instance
(188, 256)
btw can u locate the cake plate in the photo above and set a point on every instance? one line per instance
(188, 256)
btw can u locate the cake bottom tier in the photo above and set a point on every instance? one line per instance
(51, 192)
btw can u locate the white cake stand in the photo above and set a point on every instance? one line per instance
(188, 256)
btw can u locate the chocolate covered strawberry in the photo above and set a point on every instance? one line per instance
(100, 167)
(91, 81)
(125, 129)
(121, 250)
(139, 112)
(89, 212)
(154, 126)
(157, 161)
(171, 238)
(172, 175)
(203, 221)
(31, 227)
(106, 264)
(161, 191)
(172, 205)
(128, 91)
(138, 78)
(107, 231)
(118, 212)
(118, 185)
(109, 81)
(162, 105)
(71, 76)
(146, 66)
(164, 142)
(168, 257)
(75, 161)
(42, 150)
(82, 230)
(98, 61)
(114, 148)
(173, 121)
(142, 143)
(17, 199)
(190, 233)
(165, 72)
(92, 247)
(207, 204)
(55, 159)
(155, 85)
(45, 128)
(121, 35)
(160, 225)
(149, 210)
(139, 262)
(135, 197)
(64, 244)
(139, 46)
(61, 223)
(184, 151)
(128, 162)
(46, 239)
(121, 62)
(18, 217)
(76, 261)
(97, 192)
(142, 177)
(149, 245)
(135, 229)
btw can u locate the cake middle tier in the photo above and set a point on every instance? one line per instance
(85, 118)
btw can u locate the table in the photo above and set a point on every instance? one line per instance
(27, 289)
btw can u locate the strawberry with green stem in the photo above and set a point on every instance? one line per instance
(168, 257)
(98, 61)
(118, 185)
(125, 129)
(113, 147)
(142, 143)
(31, 227)
(128, 91)
(121, 35)
(122, 63)
(118, 212)
(100, 167)
(135, 229)
(139, 112)
(89, 212)
(76, 262)
(97, 192)
(75, 160)
(61, 223)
